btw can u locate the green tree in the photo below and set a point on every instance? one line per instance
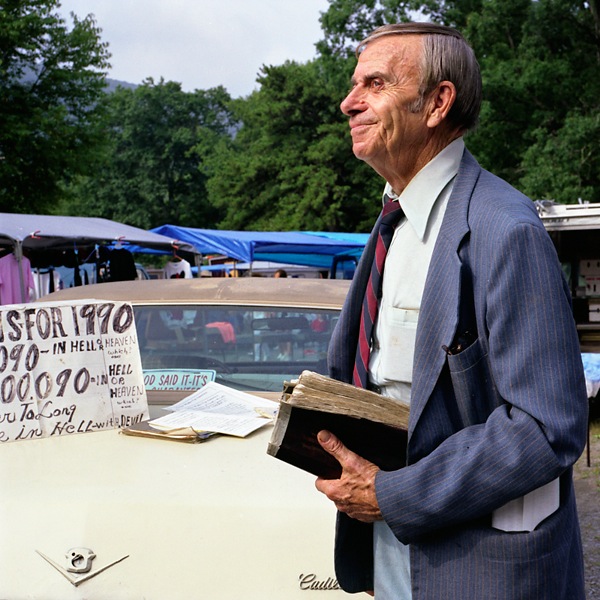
(51, 80)
(539, 62)
(290, 166)
(562, 161)
(565, 165)
(347, 22)
(153, 169)
(282, 158)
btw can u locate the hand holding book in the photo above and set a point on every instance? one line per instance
(354, 492)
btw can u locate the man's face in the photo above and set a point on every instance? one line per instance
(385, 134)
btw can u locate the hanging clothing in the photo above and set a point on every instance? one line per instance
(47, 280)
(10, 280)
(178, 269)
(86, 274)
(121, 265)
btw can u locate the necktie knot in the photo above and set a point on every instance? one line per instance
(392, 211)
(390, 217)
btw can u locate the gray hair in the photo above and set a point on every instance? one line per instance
(446, 57)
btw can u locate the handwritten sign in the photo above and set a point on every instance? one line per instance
(69, 368)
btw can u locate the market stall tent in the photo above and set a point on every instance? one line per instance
(43, 237)
(575, 233)
(45, 232)
(313, 249)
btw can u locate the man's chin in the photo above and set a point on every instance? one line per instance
(365, 155)
(361, 152)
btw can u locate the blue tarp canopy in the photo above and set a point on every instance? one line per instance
(312, 249)
(355, 238)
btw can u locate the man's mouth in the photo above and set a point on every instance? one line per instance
(359, 127)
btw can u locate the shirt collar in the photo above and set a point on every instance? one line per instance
(420, 195)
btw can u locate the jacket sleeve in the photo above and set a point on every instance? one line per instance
(526, 424)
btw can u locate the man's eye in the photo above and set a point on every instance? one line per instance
(376, 84)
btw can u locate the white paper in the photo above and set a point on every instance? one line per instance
(214, 397)
(217, 408)
(230, 424)
(527, 512)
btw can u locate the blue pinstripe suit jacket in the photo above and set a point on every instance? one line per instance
(489, 424)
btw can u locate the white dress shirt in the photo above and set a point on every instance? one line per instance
(424, 202)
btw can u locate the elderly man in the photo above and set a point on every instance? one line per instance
(459, 307)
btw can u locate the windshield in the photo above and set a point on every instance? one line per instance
(247, 348)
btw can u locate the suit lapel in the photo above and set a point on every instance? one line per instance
(438, 317)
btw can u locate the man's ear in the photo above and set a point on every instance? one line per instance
(440, 102)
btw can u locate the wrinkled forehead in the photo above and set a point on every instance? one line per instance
(392, 53)
(391, 41)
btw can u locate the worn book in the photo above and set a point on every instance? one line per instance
(180, 434)
(371, 425)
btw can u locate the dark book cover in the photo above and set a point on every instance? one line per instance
(294, 438)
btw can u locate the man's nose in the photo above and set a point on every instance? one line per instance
(352, 104)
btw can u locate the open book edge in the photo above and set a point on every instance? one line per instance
(319, 392)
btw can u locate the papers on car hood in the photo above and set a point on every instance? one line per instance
(220, 409)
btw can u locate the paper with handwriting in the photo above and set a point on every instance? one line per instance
(220, 409)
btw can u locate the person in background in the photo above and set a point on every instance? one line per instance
(473, 327)
(280, 273)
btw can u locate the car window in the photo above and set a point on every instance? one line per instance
(248, 348)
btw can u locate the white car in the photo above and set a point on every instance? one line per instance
(103, 515)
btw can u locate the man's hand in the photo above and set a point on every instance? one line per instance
(354, 492)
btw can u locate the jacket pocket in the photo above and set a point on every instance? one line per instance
(399, 332)
(474, 389)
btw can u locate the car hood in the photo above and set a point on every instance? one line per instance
(219, 519)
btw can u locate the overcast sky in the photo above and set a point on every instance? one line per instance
(203, 43)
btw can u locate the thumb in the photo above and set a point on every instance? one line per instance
(333, 445)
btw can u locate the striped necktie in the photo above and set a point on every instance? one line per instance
(390, 217)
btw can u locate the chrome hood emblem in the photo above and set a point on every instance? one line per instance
(79, 565)
(79, 560)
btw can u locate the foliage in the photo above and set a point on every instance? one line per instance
(281, 158)
(152, 172)
(51, 79)
(292, 156)
(347, 22)
(566, 161)
(290, 166)
(539, 62)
